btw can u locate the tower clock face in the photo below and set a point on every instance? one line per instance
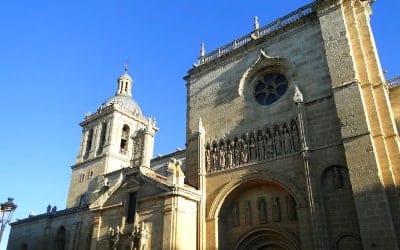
(269, 87)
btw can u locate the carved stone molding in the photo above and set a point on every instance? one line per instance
(255, 146)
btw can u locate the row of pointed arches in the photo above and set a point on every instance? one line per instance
(260, 145)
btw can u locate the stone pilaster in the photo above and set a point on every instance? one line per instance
(344, 28)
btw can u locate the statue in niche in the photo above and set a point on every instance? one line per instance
(260, 146)
(269, 149)
(245, 153)
(229, 155)
(222, 155)
(245, 149)
(262, 210)
(214, 158)
(140, 237)
(276, 209)
(252, 148)
(291, 208)
(278, 141)
(247, 216)
(235, 215)
(287, 140)
(337, 179)
(236, 152)
(113, 235)
(137, 149)
(295, 136)
(208, 158)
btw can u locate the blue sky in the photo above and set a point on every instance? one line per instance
(61, 59)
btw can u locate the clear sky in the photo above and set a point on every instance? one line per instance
(61, 59)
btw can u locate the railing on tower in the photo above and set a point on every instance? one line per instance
(393, 82)
(263, 31)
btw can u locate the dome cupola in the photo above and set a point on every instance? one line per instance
(123, 95)
(124, 84)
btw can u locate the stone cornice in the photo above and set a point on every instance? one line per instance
(51, 215)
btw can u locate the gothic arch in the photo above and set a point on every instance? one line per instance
(348, 240)
(125, 136)
(60, 238)
(263, 238)
(265, 61)
(334, 176)
(267, 177)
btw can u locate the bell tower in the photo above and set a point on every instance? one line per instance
(116, 136)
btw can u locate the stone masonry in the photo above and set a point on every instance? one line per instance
(292, 143)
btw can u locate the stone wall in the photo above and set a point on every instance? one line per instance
(221, 93)
(73, 227)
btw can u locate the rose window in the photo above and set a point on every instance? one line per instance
(269, 88)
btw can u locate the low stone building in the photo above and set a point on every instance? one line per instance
(292, 143)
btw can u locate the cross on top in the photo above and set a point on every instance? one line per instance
(126, 67)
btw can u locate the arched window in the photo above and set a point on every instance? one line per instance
(83, 200)
(90, 174)
(124, 140)
(82, 177)
(102, 137)
(59, 241)
(89, 143)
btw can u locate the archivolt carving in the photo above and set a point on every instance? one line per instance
(257, 239)
(254, 146)
(348, 240)
(263, 61)
(298, 199)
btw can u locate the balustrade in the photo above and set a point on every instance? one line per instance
(393, 82)
(263, 31)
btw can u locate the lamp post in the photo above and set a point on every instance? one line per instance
(6, 211)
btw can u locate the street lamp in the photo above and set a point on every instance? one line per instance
(6, 211)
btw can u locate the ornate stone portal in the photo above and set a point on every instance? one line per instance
(254, 206)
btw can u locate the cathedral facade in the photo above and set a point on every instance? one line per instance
(291, 143)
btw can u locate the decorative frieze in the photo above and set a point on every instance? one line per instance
(255, 146)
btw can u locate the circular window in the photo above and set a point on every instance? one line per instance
(269, 87)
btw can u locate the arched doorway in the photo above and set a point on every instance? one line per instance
(258, 214)
(268, 239)
(60, 239)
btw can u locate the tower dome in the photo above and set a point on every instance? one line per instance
(123, 95)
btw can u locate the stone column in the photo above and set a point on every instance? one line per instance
(96, 138)
(212, 233)
(201, 237)
(148, 143)
(318, 222)
(82, 145)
